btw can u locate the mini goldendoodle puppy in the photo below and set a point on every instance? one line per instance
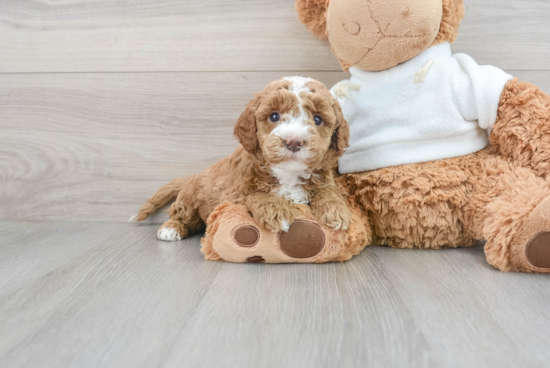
(291, 134)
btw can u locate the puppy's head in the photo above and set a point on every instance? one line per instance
(294, 119)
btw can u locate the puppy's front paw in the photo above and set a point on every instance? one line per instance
(168, 234)
(334, 214)
(274, 218)
(172, 231)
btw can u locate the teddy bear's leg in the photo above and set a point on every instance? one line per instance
(522, 129)
(417, 205)
(511, 210)
(234, 235)
(184, 219)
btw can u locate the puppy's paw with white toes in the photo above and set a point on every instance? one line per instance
(168, 234)
(285, 225)
(278, 219)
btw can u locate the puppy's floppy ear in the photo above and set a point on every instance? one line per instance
(245, 129)
(340, 137)
(313, 13)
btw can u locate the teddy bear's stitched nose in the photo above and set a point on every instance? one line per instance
(397, 27)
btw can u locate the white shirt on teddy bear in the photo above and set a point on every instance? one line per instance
(395, 119)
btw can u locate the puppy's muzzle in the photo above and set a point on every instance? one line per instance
(294, 144)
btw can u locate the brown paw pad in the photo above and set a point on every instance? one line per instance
(537, 251)
(246, 236)
(304, 239)
(255, 259)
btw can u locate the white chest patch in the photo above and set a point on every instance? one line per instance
(291, 176)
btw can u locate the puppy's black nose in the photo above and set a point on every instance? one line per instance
(294, 144)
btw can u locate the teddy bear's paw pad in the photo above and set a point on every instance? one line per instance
(246, 236)
(537, 251)
(168, 234)
(304, 239)
(255, 259)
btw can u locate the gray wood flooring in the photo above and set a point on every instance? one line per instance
(111, 295)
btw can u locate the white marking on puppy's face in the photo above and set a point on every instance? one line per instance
(295, 125)
(292, 127)
(168, 234)
(292, 173)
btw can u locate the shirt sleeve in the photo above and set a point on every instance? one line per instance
(477, 90)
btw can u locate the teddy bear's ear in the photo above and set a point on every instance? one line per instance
(453, 12)
(313, 13)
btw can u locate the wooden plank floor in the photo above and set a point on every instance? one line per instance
(111, 295)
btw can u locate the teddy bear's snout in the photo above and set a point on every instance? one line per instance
(397, 28)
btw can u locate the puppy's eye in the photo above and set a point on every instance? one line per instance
(275, 117)
(318, 120)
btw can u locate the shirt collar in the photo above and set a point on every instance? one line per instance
(406, 70)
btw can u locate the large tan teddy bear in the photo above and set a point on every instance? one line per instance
(443, 152)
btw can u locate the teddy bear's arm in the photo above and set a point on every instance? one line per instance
(522, 128)
(477, 89)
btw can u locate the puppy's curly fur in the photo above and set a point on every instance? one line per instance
(266, 173)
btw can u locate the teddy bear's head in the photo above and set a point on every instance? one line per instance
(376, 35)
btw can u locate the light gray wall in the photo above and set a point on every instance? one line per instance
(103, 102)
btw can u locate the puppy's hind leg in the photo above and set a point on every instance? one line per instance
(161, 198)
(184, 218)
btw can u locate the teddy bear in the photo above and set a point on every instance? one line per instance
(443, 152)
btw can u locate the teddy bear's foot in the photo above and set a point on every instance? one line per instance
(534, 254)
(304, 239)
(248, 242)
(172, 231)
(233, 235)
(530, 248)
(537, 251)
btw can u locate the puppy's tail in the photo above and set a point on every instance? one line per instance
(159, 199)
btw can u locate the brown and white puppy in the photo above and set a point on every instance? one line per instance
(291, 134)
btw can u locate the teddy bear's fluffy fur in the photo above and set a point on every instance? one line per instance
(489, 195)
(498, 194)
(444, 203)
